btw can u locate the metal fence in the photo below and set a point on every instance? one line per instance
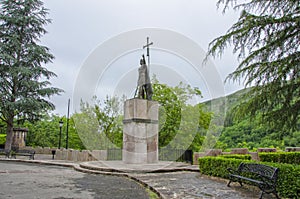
(114, 154)
(179, 155)
(165, 154)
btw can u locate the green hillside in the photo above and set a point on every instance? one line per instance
(245, 131)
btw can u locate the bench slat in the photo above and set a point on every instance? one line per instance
(249, 179)
(21, 152)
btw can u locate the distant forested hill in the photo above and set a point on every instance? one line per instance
(245, 131)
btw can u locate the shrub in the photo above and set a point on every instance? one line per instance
(281, 157)
(2, 139)
(237, 156)
(217, 166)
(288, 183)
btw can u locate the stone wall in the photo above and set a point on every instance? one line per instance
(96, 155)
(292, 149)
(70, 154)
(80, 156)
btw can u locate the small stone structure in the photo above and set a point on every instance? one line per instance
(213, 152)
(241, 151)
(19, 137)
(292, 149)
(266, 150)
(140, 131)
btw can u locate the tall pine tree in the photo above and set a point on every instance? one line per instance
(266, 38)
(24, 81)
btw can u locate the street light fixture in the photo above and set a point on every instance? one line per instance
(61, 123)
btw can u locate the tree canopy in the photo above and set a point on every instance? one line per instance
(99, 125)
(266, 38)
(181, 125)
(24, 81)
(45, 133)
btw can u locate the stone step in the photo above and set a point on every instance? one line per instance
(120, 167)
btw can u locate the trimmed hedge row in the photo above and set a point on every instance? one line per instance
(2, 139)
(237, 156)
(288, 183)
(281, 157)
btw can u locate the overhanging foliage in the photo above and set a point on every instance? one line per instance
(266, 38)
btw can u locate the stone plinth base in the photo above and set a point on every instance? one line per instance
(140, 131)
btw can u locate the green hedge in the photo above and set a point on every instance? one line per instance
(288, 183)
(281, 157)
(2, 139)
(237, 156)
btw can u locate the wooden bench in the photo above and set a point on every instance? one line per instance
(263, 176)
(5, 152)
(23, 152)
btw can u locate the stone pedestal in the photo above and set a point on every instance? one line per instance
(140, 132)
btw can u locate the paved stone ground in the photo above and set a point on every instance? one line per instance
(57, 182)
(180, 184)
(188, 185)
(33, 181)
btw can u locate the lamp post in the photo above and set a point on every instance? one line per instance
(60, 126)
(68, 116)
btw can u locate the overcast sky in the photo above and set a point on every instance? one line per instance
(79, 27)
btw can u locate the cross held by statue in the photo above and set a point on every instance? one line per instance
(148, 50)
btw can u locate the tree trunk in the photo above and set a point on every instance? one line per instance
(9, 134)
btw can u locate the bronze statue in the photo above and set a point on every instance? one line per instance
(144, 86)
